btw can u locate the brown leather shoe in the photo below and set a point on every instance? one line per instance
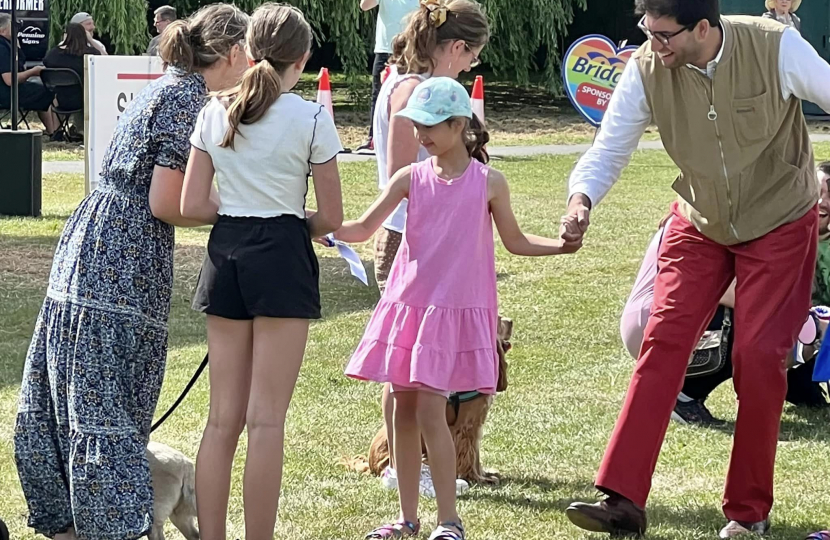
(616, 516)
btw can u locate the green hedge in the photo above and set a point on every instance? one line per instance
(521, 28)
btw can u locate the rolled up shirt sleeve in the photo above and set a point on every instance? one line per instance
(803, 73)
(626, 119)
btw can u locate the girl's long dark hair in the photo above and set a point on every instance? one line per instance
(476, 138)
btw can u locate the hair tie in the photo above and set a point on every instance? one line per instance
(437, 11)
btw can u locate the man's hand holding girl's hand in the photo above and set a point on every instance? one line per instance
(575, 223)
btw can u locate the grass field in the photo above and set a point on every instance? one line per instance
(546, 434)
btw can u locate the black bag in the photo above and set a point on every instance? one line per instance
(712, 350)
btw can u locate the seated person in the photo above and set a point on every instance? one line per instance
(70, 55)
(32, 96)
(86, 20)
(690, 407)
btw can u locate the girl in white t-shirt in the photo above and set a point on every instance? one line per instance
(259, 281)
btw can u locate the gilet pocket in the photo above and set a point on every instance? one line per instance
(750, 119)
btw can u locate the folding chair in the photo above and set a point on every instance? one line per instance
(6, 114)
(61, 78)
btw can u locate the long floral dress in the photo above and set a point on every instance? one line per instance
(96, 362)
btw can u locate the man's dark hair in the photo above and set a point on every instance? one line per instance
(685, 12)
(824, 167)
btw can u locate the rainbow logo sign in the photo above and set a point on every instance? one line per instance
(590, 71)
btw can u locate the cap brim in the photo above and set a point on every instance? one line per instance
(422, 117)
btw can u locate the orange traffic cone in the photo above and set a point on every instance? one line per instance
(324, 96)
(324, 91)
(478, 98)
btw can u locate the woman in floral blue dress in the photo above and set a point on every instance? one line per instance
(96, 362)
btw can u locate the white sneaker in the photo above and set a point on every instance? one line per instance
(461, 486)
(389, 478)
(426, 487)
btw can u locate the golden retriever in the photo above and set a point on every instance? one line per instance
(466, 419)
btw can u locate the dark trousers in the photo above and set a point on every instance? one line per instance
(801, 390)
(377, 71)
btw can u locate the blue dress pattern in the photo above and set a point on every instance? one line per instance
(96, 362)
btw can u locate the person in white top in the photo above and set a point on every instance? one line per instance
(259, 283)
(441, 39)
(691, 51)
(392, 15)
(783, 11)
(86, 20)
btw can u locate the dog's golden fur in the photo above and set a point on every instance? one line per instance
(174, 491)
(467, 428)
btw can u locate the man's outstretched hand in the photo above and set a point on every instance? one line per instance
(574, 224)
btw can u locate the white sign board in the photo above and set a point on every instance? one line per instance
(111, 84)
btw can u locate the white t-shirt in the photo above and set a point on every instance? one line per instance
(397, 219)
(392, 16)
(266, 175)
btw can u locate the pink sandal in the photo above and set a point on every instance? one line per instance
(395, 531)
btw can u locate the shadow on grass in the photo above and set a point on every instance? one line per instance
(694, 521)
(530, 491)
(805, 424)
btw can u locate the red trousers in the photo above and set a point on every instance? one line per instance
(774, 280)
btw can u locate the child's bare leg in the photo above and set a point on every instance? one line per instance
(388, 405)
(432, 421)
(279, 346)
(407, 452)
(230, 346)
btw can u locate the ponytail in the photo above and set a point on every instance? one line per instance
(476, 138)
(175, 48)
(278, 37)
(433, 24)
(412, 49)
(204, 38)
(261, 86)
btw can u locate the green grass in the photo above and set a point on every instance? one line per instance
(62, 152)
(546, 434)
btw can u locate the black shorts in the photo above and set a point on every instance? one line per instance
(259, 267)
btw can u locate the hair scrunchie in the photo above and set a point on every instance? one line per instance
(437, 11)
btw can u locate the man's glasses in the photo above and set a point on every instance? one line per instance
(662, 37)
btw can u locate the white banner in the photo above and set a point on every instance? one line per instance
(111, 83)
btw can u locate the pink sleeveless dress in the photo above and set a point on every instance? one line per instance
(435, 325)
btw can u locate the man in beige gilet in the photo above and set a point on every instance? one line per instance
(725, 94)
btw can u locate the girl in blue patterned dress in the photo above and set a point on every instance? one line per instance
(96, 362)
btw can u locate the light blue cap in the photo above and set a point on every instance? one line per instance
(437, 99)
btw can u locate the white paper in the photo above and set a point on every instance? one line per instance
(351, 256)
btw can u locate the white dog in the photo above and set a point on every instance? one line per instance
(174, 490)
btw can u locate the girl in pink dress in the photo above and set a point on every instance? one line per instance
(434, 330)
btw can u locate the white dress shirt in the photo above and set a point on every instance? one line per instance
(803, 73)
